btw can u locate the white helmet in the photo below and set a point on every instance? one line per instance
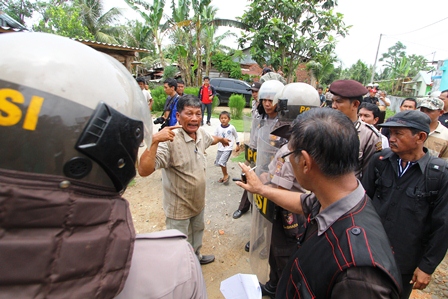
(294, 99)
(269, 89)
(69, 111)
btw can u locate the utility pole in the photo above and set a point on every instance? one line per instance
(376, 57)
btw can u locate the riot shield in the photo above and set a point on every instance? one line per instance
(251, 126)
(262, 216)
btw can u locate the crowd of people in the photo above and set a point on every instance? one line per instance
(349, 216)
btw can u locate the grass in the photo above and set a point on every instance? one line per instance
(239, 158)
(132, 183)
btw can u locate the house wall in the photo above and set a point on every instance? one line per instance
(440, 78)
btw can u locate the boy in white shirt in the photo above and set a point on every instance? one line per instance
(228, 131)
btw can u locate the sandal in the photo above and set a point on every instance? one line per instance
(226, 181)
(220, 180)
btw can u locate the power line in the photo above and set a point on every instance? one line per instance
(412, 42)
(421, 27)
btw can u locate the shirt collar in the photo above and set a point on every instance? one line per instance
(422, 162)
(187, 137)
(336, 210)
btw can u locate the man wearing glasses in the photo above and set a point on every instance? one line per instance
(343, 251)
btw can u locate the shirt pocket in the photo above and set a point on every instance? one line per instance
(419, 202)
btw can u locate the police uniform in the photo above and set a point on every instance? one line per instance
(285, 225)
(164, 265)
(369, 138)
(369, 143)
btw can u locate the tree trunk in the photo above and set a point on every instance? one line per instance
(198, 55)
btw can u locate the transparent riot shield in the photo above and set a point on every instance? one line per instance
(264, 209)
(251, 126)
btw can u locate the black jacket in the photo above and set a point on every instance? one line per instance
(350, 252)
(417, 229)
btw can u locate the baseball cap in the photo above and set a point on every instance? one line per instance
(348, 88)
(255, 86)
(409, 119)
(432, 103)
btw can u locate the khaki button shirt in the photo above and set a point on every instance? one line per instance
(183, 166)
(370, 142)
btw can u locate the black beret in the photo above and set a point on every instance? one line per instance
(348, 88)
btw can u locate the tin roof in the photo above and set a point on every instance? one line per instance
(109, 46)
(8, 24)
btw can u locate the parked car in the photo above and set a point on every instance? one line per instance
(225, 87)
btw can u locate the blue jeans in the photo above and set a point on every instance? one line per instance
(209, 111)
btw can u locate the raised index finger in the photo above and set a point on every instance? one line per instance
(174, 127)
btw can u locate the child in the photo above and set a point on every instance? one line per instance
(228, 131)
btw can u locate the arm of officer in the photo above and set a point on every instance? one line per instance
(148, 158)
(288, 200)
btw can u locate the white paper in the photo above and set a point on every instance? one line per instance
(241, 286)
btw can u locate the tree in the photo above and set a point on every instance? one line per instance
(286, 33)
(359, 72)
(210, 42)
(63, 20)
(225, 63)
(393, 53)
(97, 22)
(321, 66)
(152, 14)
(196, 25)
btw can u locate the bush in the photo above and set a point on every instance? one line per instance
(159, 97)
(237, 103)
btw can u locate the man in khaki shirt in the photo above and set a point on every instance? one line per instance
(179, 152)
(437, 142)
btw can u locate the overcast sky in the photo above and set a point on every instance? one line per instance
(392, 18)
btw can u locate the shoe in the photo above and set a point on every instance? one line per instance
(268, 290)
(208, 123)
(206, 259)
(237, 214)
(263, 254)
(247, 246)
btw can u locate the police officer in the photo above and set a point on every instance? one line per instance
(347, 96)
(294, 99)
(71, 123)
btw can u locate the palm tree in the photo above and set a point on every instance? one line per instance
(152, 14)
(96, 22)
(321, 66)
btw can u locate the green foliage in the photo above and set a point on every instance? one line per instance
(159, 97)
(191, 90)
(359, 72)
(237, 103)
(224, 63)
(63, 20)
(285, 33)
(389, 113)
(169, 72)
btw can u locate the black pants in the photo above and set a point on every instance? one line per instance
(407, 287)
(209, 111)
(244, 203)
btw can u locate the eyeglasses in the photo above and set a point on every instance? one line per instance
(291, 152)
